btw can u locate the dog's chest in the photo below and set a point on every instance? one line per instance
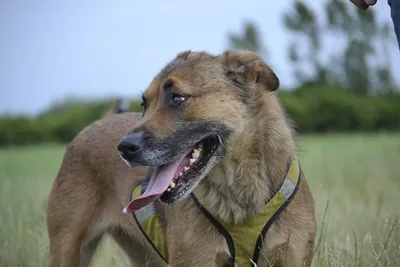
(194, 236)
(188, 232)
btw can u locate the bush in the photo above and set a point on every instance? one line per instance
(59, 123)
(338, 110)
(312, 109)
(20, 130)
(388, 116)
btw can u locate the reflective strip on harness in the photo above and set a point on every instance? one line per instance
(287, 188)
(145, 213)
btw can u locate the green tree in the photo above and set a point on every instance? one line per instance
(360, 63)
(302, 22)
(385, 82)
(365, 59)
(358, 31)
(249, 39)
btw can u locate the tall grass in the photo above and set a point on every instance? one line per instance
(355, 181)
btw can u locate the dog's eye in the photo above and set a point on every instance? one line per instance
(178, 98)
(173, 99)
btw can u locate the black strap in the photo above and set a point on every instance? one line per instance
(221, 229)
(148, 238)
(143, 187)
(272, 220)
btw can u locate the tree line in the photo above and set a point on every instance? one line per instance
(348, 87)
(314, 110)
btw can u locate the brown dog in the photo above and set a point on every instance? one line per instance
(212, 126)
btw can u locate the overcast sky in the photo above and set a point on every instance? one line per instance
(53, 49)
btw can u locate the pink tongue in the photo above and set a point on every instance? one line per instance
(159, 182)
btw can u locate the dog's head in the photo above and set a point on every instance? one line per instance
(191, 110)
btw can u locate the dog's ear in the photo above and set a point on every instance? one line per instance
(189, 54)
(249, 68)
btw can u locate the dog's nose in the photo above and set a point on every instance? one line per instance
(129, 145)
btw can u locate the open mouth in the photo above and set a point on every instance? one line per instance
(171, 182)
(188, 170)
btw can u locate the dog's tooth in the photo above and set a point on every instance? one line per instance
(191, 161)
(181, 173)
(172, 185)
(168, 189)
(186, 169)
(196, 153)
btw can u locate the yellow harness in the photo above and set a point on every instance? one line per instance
(244, 240)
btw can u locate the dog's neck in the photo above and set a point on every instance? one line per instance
(253, 169)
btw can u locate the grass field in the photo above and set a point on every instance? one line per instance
(354, 178)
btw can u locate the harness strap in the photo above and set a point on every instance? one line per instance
(289, 190)
(149, 225)
(220, 228)
(277, 204)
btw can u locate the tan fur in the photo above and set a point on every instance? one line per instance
(93, 184)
